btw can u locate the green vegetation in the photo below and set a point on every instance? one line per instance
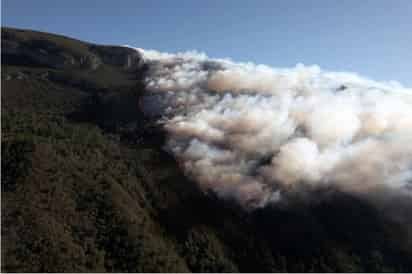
(87, 187)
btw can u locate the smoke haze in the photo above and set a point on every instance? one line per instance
(255, 133)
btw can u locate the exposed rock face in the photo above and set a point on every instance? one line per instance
(91, 62)
(128, 58)
(18, 49)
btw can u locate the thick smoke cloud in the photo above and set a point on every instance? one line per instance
(255, 133)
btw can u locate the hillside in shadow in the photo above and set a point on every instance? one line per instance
(87, 186)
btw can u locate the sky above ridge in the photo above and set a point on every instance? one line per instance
(372, 38)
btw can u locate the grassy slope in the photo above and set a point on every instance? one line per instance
(86, 187)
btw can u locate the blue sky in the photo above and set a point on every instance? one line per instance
(370, 37)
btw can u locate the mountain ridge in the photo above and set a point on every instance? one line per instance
(87, 187)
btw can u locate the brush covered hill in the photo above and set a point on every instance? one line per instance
(86, 186)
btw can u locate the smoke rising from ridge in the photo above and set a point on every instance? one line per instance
(255, 133)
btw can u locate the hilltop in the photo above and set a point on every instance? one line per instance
(87, 186)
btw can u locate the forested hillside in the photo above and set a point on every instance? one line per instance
(87, 186)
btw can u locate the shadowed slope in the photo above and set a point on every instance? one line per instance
(86, 185)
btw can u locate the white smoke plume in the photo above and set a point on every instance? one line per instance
(254, 133)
